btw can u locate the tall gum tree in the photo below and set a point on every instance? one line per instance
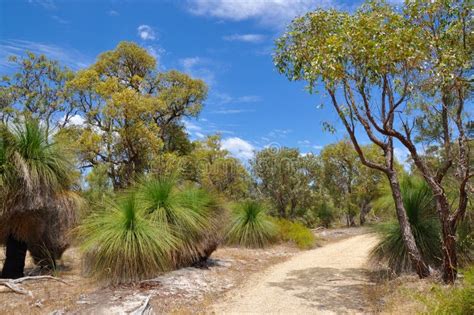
(351, 57)
(394, 72)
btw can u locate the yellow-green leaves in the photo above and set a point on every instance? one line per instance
(131, 110)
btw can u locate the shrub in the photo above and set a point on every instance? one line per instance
(250, 226)
(455, 300)
(295, 232)
(325, 214)
(418, 202)
(156, 226)
(122, 245)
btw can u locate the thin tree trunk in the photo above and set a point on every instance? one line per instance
(364, 210)
(417, 260)
(14, 264)
(450, 261)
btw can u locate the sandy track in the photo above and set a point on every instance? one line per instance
(326, 280)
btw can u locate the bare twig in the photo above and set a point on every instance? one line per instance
(13, 284)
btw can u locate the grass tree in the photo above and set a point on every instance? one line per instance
(155, 226)
(250, 226)
(37, 206)
(421, 210)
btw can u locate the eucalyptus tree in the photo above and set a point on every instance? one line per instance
(351, 185)
(37, 89)
(396, 74)
(285, 177)
(131, 111)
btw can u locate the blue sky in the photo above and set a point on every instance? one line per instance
(226, 43)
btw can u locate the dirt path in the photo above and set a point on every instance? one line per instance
(326, 280)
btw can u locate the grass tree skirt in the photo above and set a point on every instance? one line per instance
(45, 232)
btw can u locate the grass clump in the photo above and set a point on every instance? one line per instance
(418, 202)
(250, 226)
(296, 233)
(456, 300)
(154, 227)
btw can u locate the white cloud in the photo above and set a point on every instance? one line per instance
(46, 4)
(279, 133)
(238, 147)
(275, 13)
(218, 98)
(190, 126)
(113, 13)
(199, 68)
(69, 57)
(232, 111)
(59, 20)
(402, 155)
(249, 38)
(199, 135)
(76, 120)
(190, 62)
(146, 32)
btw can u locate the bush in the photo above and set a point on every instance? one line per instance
(457, 300)
(122, 245)
(418, 202)
(295, 232)
(250, 226)
(325, 214)
(154, 227)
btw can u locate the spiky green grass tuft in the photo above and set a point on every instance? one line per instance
(250, 226)
(418, 202)
(155, 227)
(122, 245)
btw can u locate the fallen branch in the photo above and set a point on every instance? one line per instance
(12, 284)
(144, 308)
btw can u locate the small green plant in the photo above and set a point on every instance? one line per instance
(250, 225)
(295, 232)
(456, 300)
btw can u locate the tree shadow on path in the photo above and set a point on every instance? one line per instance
(330, 289)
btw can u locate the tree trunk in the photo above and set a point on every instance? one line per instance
(450, 260)
(364, 210)
(417, 261)
(15, 259)
(350, 220)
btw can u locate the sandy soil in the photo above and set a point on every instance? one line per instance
(327, 280)
(184, 291)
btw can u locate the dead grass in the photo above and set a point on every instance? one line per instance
(400, 295)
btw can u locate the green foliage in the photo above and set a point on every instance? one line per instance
(132, 113)
(250, 226)
(285, 178)
(325, 214)
(296, 233)
(156, 226)
(419, 204)
(465, 240)
(122, 245)
(456, 300)
(38, 91)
